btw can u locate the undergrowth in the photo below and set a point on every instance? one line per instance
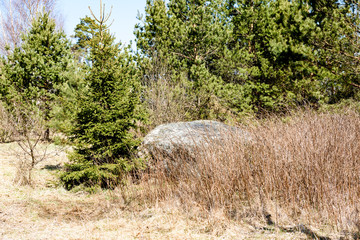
(298, 169)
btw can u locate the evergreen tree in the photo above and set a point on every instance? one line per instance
(35, 72)
(109, 112)
(287, 53)
(67, 105)
(190, 35)
(273, 56)
(84, 32)
(338, 47)
(254, 55)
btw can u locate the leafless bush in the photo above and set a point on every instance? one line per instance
(27, 126)
(169, 97)
(166, 98)
(302, 169)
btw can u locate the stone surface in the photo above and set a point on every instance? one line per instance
(189, 137)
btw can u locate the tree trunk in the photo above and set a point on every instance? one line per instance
(47, 135)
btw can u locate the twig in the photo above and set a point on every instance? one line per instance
(354, 85)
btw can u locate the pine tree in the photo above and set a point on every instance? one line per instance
(273, 56)
(34, 72)
(253, 55)
(190, 36)
(338, 44)
(290, 53)
(109, 112)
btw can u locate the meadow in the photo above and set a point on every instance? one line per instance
(297, 179)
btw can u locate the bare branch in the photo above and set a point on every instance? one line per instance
(355, 85)
(92, 14)
(16, 18)
(103, 17)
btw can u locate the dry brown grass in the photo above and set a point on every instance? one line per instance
(25, 126)
(300, 170)
(47, 211)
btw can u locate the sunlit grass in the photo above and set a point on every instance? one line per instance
(301, 169)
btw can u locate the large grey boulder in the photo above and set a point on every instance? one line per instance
(190, 138)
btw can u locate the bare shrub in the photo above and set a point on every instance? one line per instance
(302, 169)
(166, 98)
(26, 125)
(169, 100)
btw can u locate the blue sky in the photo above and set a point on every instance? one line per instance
(124, 14)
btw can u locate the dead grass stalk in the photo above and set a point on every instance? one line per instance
(302, 169)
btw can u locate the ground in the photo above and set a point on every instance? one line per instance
(47, 211)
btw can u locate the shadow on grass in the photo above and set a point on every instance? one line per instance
(52, 167)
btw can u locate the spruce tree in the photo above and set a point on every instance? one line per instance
(108, 114)
(35, 72)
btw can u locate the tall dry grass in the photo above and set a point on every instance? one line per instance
(300, 169)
